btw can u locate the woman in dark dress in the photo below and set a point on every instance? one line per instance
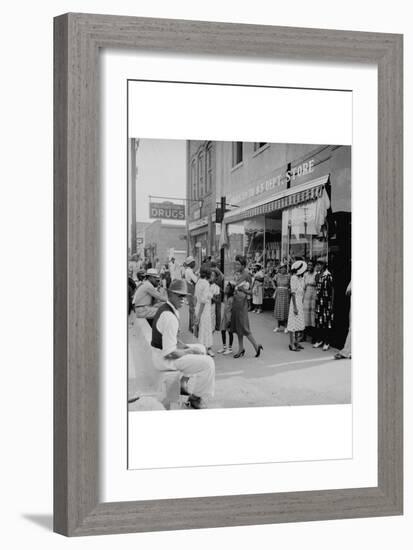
(323, 305)
(239, 319)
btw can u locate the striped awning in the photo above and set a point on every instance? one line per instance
(290, 197)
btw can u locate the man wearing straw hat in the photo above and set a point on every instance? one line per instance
(147, 296)
(190, 359)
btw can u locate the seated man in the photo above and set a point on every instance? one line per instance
(190, 359)
(147, 295)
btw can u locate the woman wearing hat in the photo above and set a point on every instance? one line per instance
(323, 305)
(296, 314)
(239, 318)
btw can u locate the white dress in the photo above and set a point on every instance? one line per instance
(203, 296)
(214, 291)
(296, 322)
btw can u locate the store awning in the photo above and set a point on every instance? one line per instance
(284, 199)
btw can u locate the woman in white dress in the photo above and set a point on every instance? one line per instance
(296, 321)
(203, 310)
(215, 295)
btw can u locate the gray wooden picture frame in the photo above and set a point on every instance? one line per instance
(78, 39)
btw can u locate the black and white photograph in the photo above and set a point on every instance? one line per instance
(239, 274)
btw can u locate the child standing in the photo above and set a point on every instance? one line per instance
(226, 320)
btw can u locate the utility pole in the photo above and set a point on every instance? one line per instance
(133, 175)
(222, 251)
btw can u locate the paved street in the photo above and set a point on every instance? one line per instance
(278, 377)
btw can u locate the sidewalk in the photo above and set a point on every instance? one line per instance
(279, 376)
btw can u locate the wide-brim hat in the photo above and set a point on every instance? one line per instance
(178, 286)
(189, 260)
(299, 267)
(152, 272)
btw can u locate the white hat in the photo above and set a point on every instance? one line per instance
(299, 266)
(152, 272)
(189, 260)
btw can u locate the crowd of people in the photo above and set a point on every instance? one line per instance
(303, 308)
(302, 292)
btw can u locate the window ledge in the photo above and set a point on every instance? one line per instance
(261, 149)
(239, 165)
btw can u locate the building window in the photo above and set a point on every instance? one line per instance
(194, 183)
(201, 174)
(209, 168)
(236, 152)
(259, 144)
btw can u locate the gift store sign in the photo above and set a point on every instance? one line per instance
(273, 182)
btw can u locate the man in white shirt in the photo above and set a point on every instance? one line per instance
(190, 359)
(147, 295)
(174, 269)
(191, 280)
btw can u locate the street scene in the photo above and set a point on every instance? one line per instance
(274, 379)
(239, 274)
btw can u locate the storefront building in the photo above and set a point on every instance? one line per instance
(201, 199)
(283, 202)
(288, 202)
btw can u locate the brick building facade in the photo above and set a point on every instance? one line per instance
(163, 240)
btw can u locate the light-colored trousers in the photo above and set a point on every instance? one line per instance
(200, 370)
(346, 351)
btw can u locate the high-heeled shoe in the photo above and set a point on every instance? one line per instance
(239, 354)
(259, 350)
(293, 348)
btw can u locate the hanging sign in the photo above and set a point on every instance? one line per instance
(166, 211)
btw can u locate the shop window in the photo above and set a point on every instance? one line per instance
(201, 174)
(236, 152)
(304, 230)
(254, 240)
(209, 168)
(194, 183)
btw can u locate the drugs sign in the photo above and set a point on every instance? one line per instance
(166, 211)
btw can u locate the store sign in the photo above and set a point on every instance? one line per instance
(198, 223)
(276, 182)
(201, 222)
(166, 211)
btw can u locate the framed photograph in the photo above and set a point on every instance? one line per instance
(228, 274)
